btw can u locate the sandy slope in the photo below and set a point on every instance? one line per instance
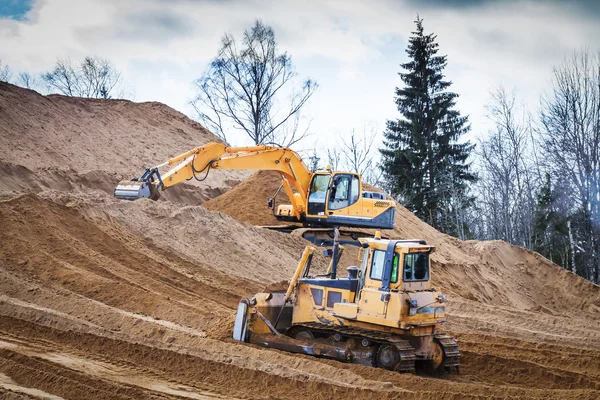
(112, 138)
(89, 303)
(103, 299)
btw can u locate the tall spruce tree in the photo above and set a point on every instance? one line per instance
(423, 164)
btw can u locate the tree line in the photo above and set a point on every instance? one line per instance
(93, 77)
(533, 180)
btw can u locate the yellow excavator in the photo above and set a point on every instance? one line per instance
(385, 313)
(319, 199)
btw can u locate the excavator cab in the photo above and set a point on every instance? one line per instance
(337, 199)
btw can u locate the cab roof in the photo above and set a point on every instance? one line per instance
(405, 243)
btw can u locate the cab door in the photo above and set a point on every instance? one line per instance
(344, 192)
(317, 196)
(370, 302)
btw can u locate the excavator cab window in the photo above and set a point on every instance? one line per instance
(416, 267)
(344, 191)
(318, 194)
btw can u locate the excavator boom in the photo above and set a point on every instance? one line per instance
(197, 163)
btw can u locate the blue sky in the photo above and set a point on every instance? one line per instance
(14, 9)
(352, 48)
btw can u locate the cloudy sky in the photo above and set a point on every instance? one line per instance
(352, 48)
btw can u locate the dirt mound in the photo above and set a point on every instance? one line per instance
(91, 306)
(247, 202)
(198, 235)
(17, 179)
(117, 137)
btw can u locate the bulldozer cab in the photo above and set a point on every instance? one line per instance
(393, 282)
(394, 265)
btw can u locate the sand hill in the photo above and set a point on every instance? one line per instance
(106, 140)
(106, 299)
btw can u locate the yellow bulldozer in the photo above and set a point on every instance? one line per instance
(384, 313)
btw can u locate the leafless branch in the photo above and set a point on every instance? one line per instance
(94, 77)
(5, 72)
(246, 88)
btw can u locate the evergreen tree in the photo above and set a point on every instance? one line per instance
(423, 164)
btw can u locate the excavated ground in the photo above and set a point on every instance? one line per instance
(104, 299)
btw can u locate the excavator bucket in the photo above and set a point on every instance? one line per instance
(134, 190)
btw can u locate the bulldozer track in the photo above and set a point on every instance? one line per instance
(451, 353)
(405, 350)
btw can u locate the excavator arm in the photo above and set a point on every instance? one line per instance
(197, 163)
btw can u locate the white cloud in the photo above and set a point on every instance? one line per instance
(353, 48)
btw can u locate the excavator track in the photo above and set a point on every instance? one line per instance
(451, 353)
(406, 352)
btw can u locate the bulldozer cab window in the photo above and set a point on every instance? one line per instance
(394, 277)
(363, 272)
(416, 267)
(318, 194)
(377, 264)
(344, 191)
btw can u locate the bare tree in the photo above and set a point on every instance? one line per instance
(357, 152)
(27, 80)
(570, 136)
(248, 86)
(334, 157)
(506, 188)
(313, 160)
(94, 77)
(5, 72)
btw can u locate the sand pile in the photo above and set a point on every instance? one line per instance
(198, 235)
(90, 308)
(117, 138)
(247, 202)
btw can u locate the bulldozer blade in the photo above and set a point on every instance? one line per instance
(241, 324)
(134, 190)
(288, 344)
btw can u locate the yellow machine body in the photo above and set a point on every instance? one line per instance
(386, 304)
